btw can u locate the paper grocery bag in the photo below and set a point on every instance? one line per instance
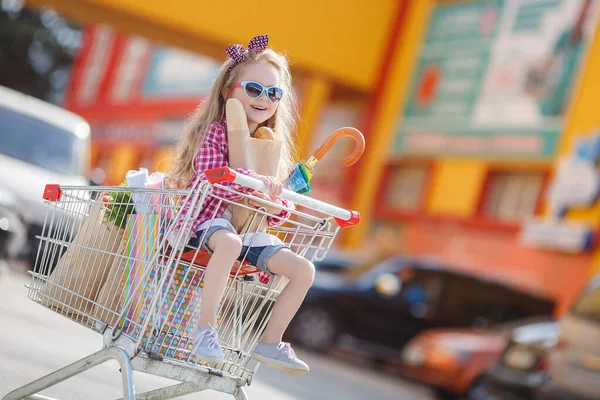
(82, 270)
(107, 307)
(261, 155)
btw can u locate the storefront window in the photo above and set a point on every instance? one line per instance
(404, 190)
(513, 196)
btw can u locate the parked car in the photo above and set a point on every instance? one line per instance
(574, 362)
(453, 361)
(386, 306)
(39, 144)
(522, 367)
(336, 261)
(13, 232)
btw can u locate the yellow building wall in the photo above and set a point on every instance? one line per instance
(384, 126)
(456, 186)
(343, 39)
(123, 157)
(583, 119)
(316, 93)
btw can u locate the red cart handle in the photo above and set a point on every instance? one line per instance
(343, 217)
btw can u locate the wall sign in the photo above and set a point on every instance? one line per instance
(494, 77)
(179, 73)
(576, 185)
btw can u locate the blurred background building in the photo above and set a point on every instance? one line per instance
(479, 115)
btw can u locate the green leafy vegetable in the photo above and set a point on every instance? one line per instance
(119, 207)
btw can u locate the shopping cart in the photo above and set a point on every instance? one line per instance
(114, 260)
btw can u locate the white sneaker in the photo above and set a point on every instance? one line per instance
(206, 345)
(280, 356)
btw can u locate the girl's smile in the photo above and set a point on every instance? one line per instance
(260, 109)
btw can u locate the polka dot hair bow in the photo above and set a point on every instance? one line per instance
(238, 54)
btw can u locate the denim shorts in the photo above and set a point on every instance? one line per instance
(255, 255)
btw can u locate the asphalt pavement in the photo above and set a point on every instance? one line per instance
(35, 341)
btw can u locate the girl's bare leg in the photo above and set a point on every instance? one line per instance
(301, 273)
(226, 248)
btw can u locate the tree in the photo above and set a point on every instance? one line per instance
(37, 49)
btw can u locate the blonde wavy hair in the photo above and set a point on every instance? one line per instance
(212, 109)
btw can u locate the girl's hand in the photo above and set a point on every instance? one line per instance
(270, 209)
(274, 187)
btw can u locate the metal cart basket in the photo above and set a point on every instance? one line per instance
(117, 260)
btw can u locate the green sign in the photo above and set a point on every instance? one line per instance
(493, 78)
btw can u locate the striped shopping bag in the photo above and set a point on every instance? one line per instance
(175, 316)
(140, 277)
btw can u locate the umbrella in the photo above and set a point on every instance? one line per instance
(299, 179)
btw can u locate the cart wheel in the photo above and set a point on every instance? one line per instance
(315, 328)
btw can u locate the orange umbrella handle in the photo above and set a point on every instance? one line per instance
(359, 144)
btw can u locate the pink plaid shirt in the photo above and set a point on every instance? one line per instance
(214, 153)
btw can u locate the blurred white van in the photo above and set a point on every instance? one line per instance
(39, 144)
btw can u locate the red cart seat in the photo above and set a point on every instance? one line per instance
(201, 257)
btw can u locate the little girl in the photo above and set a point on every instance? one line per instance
(260, 79)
